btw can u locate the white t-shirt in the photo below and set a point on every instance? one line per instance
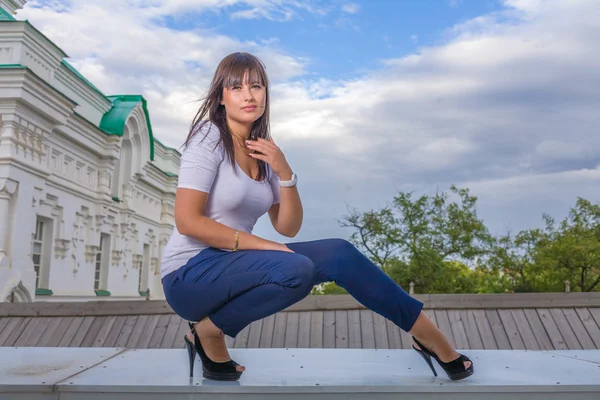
(234, 200)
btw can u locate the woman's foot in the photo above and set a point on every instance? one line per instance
(444, 356)
(213, 341)
(435, 341)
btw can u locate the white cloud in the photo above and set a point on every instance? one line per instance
(507, 105)
(351, 8)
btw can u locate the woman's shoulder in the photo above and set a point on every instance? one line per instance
(208, 137)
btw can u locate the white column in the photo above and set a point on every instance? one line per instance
(7, 188)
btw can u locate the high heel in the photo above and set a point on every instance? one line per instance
(218, 371)
(455, 369)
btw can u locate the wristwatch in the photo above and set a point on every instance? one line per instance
(289, 183)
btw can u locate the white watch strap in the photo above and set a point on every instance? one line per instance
(290, 183)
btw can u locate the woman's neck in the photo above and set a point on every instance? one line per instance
(239, 131)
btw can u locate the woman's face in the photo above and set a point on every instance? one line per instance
(244, 103)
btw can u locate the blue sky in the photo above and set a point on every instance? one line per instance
(496, 96)
(345, 39)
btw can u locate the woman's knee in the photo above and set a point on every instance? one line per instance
(301, 271)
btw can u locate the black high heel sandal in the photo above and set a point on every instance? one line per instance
(218, 371)
(455, 369)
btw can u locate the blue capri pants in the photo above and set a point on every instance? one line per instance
(234, 289)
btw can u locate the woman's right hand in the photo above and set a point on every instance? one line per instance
(282, 247)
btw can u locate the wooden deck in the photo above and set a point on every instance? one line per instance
(549, 321)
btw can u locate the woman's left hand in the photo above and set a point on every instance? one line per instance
(272, 155)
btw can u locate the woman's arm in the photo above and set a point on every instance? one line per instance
(191, 221)
(287, 216)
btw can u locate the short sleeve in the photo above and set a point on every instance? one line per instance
(274, 181)
(200, 160)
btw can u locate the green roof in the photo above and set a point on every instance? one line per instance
(166, 147)
(5, 15)
(113, 122)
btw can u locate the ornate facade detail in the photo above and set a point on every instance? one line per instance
(61, 247)
(7, 188)
(91, 250)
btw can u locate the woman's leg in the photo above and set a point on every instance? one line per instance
(337, 260)
(226, 291)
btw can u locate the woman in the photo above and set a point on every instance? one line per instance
(218, 275)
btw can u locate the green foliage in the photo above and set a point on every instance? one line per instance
(439, 243)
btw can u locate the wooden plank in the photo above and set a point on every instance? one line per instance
(86, 308)
(406, 339)
(266, 334)
(304, 330)
(136, 332)
(171, 333)
(8, 329)
(241, 339)
(146, 334)
(40, 331)
(555, 336)
(126, 330)
(565, 329)
(510, 327)
(92, 332)
(3, 323)
(580, 332)
(393, 332)
(53, 324)
(17, 331)
(30, 334)
(354, 336)
(316, 329)
(341, 329)
(460, 301)
(182, 330)
(104, 331)
(498, 330)
(590, 325)
(485, 330)
(279, 330)
(27, 332)
(158, 333)
(443, 321)
(380, 332)
(458, 330)
(310, 303)
(76, 332)
(329, 329)
(539, 332)
(595, 312)
(114, 332)
(255, 332)
(366, 329)
(525, 331)
(473, 336)
(291, 330)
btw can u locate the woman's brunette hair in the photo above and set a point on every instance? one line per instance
(230, 72)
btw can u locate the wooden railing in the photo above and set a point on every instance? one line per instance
(311, 303)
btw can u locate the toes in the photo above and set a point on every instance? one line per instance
(240, 368)
(467, 364)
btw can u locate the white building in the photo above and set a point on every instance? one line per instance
(86, 191)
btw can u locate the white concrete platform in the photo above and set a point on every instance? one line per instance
(110, 374)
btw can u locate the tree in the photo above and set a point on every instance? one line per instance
(540, 260)
(416, 239)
